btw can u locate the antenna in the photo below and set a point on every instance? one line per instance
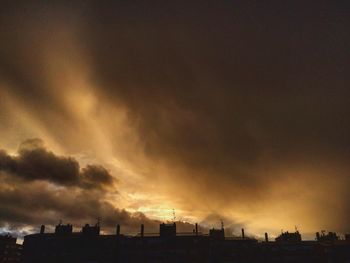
(222, 224)
(174, 217)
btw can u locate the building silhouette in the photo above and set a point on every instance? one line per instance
(9, 250)
(331, 237)
(167, 230)
(289, 237)
(170, 246)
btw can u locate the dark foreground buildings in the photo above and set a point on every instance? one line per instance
(10, 251)
(89, 246)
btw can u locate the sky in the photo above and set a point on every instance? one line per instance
(131, 111)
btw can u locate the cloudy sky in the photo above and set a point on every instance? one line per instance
(233, 110)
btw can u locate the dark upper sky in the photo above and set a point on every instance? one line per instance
(231, 109)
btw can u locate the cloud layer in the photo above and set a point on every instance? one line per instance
(34, 162)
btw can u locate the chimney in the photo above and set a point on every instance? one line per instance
(266, 237)
(118, 230)
(242, 232)
(196, 229)
(317, 236)
(142, 230)
(42, 229)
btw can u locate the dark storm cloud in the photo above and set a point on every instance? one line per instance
(40, 205)
(233, 94)
(212, 85)
(218, 86)
(34, 162)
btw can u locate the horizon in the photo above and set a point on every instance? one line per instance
(203, 231)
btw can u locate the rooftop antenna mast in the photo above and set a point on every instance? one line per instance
(222, 224)
(174, 217)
